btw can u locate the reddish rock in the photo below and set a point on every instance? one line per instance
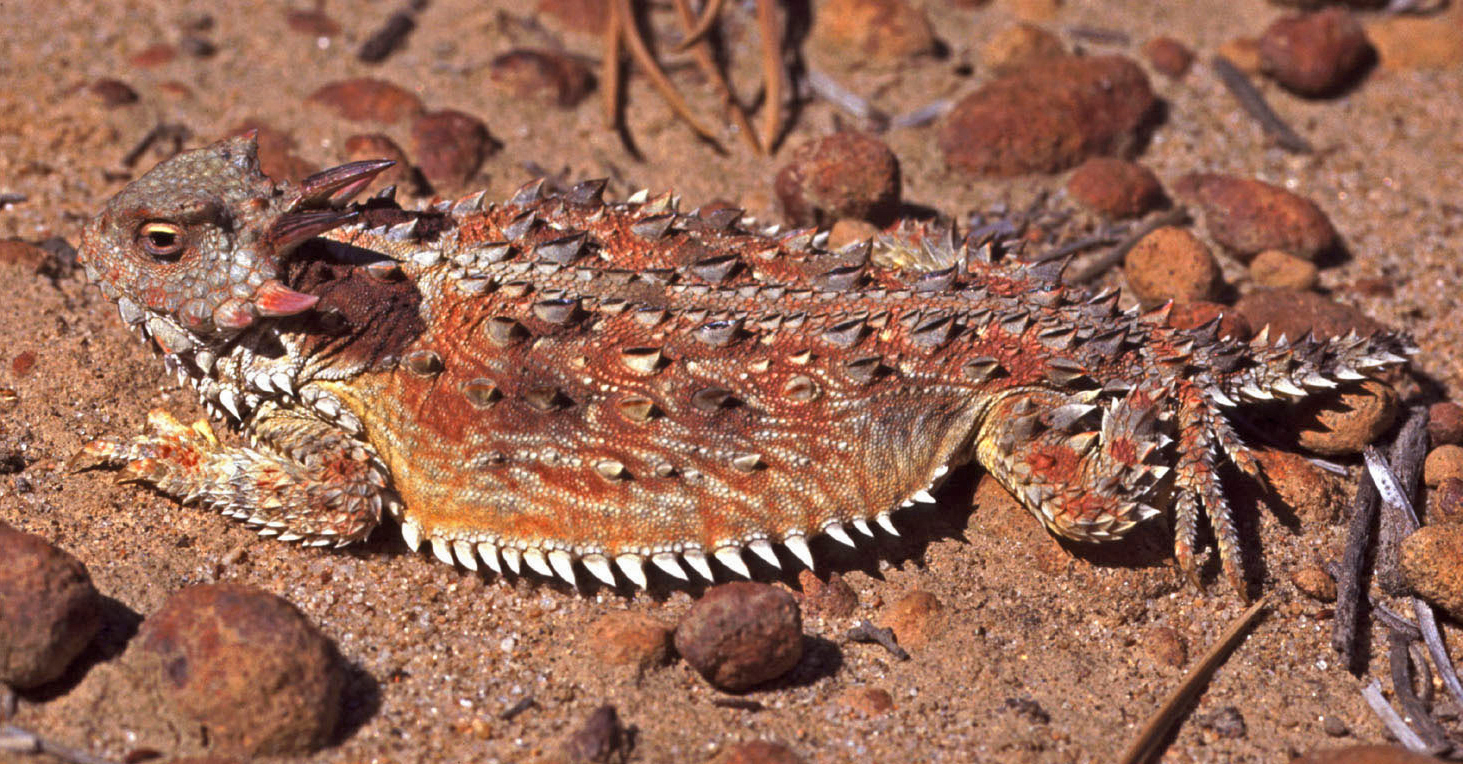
(1034, 10)
(849, 231)
(49, 610)
(1314, 54)
(602, 738)
(542, 75)
(1168, 56)
(1313, 581)
(1443, 463)
(585, 16)
(450, 146)
(1415, 42)
(1446, 504)
(757, 752)
(741, 634)
(1249, 216)
(23, 254)
(1444, 420)
(1164, 645)
(313, 23)
(844, 175)
(1115, 188)
(1048, 117)
(1432, 564)
(1293, 313)
(1365, 754)
(917, 618)
(832, 598)
(363, 146)
(1020, 45)
(1281, 270)
(855, 33)
(1313, 494)
(1192, 315)
(153, 56)
(630, 639)
(243, 663)
(277, 157)
(1346, 421)
(1170, 264)
(22, 363)
(1244, 53)
(113, 93)
(868, 701)
(365, 99)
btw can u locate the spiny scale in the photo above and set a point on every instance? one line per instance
(562, 382)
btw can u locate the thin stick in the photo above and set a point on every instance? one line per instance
(771, 73)
(1253, 102)
(695, 32)
(630, 33)
(1389, 717)
(701, 51)
(609, 69)
(1400, 657)
(1148, 740)
(1098, 265)
(1349, 589)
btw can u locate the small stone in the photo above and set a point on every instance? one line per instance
(1034, 10)
(1169, 56)
(850, 231)
(868, 701)
(1227, 724)
(1048, 116)
(1314, 54)
(113, 93)
(1443, 463)
(583, 16)
(1115, 188)
(1406, 42)
(879, 33)
(22, 363)
(1170, 264)
(1281, 270)
(1432, 564)
(1313, 581)
(1249, 217)
(197, 46)
(363, 146)
(741, 634)
(243, 663)
(314, 23)
(1164, 645)
(624, 638)
(602, 739)
(1446, 504)
(49, 610)
(1365, 754)
(1444, 422)
(757, 752)
(365, 99)
(1192, 315)
(844, 175)
(1345, 422)
(543, 75)
(23, 254)
(1313, 494)
(1333, 726)
(833, 598)
(450, 146)
(1293, 313)
(1244, 53)
(1020, 45)
(153, 56)
(277, 157)
(917, 618)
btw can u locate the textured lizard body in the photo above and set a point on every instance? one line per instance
(557, 378)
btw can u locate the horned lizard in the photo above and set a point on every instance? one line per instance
(557, 380)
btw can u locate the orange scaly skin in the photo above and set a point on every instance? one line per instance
(556, 380)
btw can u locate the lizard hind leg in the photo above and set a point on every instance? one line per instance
(305, 480)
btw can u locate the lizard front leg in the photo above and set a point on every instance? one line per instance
(304, 480)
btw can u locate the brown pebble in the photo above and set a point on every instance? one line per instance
(113, 93)
(1249, 217)
(832, 598)
(1314, 54)
(1365, 754)
(584, 16)
(844, 175)
(1313, 581)
(363, 146)
(1115, 188)
(1432, 564)
(1048, 117)
(313, 23)
(1313, 494)
(277, 157)
(1020, 45)
(1281, 270)
(1407, 42)
(1444, 422)
(1446, 504)
(741, 634)
(23, 254)
(850, 231)
(1033, 10)
(1170, 264)
(365, 99)
(1333, 726)
(245, 664)
(1169, 56)
(602, 738)
(49, 610)
(1293, 313)
(1345, 421)
(757, 752)
(1244, 53)
(868, 701)
(622, 638)
(1164, 645)
(542, 75)
(879, 33)
(22, 363)
(450, 146)
(153, 56)
(1197, 313)
(1443, 463)
(917, 618)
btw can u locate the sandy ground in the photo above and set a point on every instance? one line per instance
(440, 652)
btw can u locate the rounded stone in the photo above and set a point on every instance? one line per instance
(844, 175)
(623, 638)
(1432, 565)
(1197, 313)
(1314, 54)
(1345, 422)
(1313, 581)
(1168, 56)
(113, 93)
(757, 752)
(1446, 505)
(1048, 116)
(1445, 423)
(49, 610)
(1249, 217)
(543, 75)
(1170, 264)
(1364, 754)
(831, 598)
(1443, 463)
(879, 33)
(365, 146)
(741, 634)
(1281, 270)
(917, 618)
(244, 664)
(1407, 42)
(365, 99)
(1293, 313)
(1313, 494)
(868, 701)
(1164, 645)
(850, 231)
(450, 146)
(1115, 188)
(1243, 52)
(1020, 45)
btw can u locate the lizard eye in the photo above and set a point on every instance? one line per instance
(161, 239)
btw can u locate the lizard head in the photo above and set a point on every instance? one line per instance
(191, 251)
